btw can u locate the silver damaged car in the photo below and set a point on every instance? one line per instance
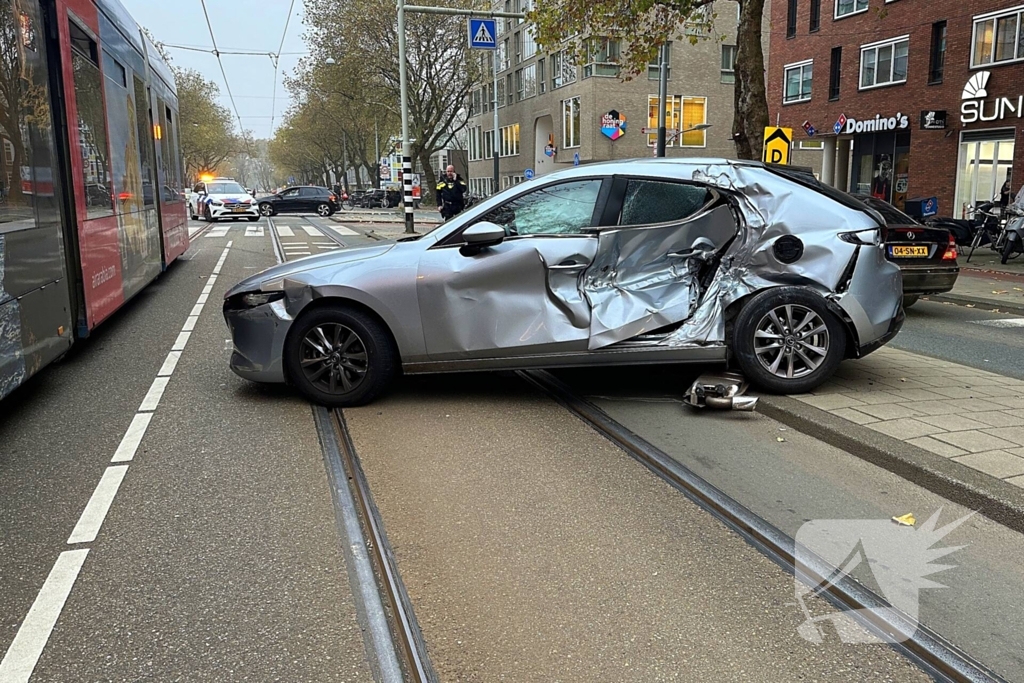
(646, 261)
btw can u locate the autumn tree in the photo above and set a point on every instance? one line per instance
(206, 127)
(645, 25)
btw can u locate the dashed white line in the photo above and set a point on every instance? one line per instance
(171, 362)
(190, 323)
(99, 504)
(311, 231)
(155, 393)
(284, 231)
(203, 298)
(179, 343)
(197, 309)
(28, 644)
(132, 438)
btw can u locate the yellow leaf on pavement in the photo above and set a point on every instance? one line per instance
(905, 520)
(999, 291)
(779, 439)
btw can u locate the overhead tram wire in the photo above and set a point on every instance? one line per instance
(227, 86)
(277, 63)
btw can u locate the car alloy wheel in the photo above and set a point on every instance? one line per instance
(791, 341)
(323, 210)
(266, 209)
(333, 358)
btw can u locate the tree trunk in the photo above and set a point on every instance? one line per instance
(428, 183)
(750, 114)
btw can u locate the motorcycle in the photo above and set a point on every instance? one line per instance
(983, 226)
(1013, 230)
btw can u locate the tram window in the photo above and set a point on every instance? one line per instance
(114, 70)
(145, 135)
(92, 132)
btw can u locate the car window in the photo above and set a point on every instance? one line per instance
(657, 201)
(309, 192)
(294, 192)
(225, 188)
(567, 208)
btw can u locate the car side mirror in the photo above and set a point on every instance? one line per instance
(480, 236)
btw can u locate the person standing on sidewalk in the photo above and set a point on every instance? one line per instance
(1005, 192)
(451, 194)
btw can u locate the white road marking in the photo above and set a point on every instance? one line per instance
(179, 343)
(342, 230)
(29, 642)
(329, 248)
(197, 309)
(218, 232)
(326, 244)
(1007, 322)
(171, 362)
(207, 289)
(254, 231)
(132, 438)
(294, 245)
(96, 509)
(311, 231)
(155, 393)
(190, 323)
(284, 231)
(203, 298)
(297, 253)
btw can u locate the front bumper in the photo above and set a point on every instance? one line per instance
(258, 336)
(228, 211)
(929, 279)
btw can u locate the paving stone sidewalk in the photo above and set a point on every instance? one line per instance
(991, 290)
(973, 417)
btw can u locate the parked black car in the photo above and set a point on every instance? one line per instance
(925, 254)
(304, 199)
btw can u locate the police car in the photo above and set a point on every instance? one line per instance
(218, 198)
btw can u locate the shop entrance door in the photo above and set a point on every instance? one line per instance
(985, 159)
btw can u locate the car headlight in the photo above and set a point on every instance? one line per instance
(254, 299)
(217, 203)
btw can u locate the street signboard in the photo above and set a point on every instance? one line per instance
(576, 159)
(777, 144)
(528, 174)
(809, 129)
(482, 34)
(840, 123)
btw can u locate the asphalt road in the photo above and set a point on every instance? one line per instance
(969, 336)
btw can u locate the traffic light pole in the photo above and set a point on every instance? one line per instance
(403, 77)
(662, 99)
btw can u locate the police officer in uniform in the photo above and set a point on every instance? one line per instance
(451, 193)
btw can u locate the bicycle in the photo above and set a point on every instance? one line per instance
(988, 225)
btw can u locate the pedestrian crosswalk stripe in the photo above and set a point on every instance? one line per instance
(342, 230)
(284, 231)
(218, 232)
(1007, 322)
(311, 231)
(254, 231)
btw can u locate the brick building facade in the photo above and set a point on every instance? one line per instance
(929, 94)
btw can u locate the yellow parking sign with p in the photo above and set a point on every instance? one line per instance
(777, 145)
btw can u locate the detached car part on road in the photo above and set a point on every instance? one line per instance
(647, 261)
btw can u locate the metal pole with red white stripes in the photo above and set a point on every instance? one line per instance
(407, 191)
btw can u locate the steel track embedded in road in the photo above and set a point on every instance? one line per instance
(932, 652)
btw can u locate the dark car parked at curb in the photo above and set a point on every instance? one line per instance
(304, 199)
(925, 254)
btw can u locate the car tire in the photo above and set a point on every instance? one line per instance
(757, 325)
(267, 209)
(910, 299)
(208, 215)
(372, 341)
(323, 210)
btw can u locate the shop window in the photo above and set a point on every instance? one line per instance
(797, 82)
(985, 162)
(835, 70)
(938, 52)
(681, 113)
(884, 63)
(845, 8)
(728, 64)
(997, 38)
(571, 122)
(791, 19)
(815, 23)
(816, 145)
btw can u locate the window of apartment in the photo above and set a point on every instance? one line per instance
(504, 54)
(884, 63)
(501, 92)
(699, 23)
(997, 37)
(571, 122)
(509, 140)
(681, 113)
(835, 70)
(473, 145)
(542, 84)
(520, 89)
(654, 68)
(728, 64)
(563, 71)
(8, 151)
(602, 57)
(489, 144)
(511, 180)
(815, 16)
(529, 81)
(509, 85)
(480, 186)
(791, 19)
(519, 47)
(797, 82)
(529, 43)
(845, 8)
(937, 61)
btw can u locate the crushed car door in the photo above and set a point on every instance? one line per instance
(645, 275)
(521, 297)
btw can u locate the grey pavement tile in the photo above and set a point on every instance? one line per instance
(865, 385)
(962, 392)
(936, 408)
(951, 381)
(905, 428)
(888, 411)
(1014, 392)
(904, 395)
(996, 419)
(975, 441)
(1017, 413)
(973, 405)
(1014, 434)
(904, 382)
(874, 397)
(997, 463)
(831, 401)
(937, 447)
(854, 416)
(1014, 402)
(1017, 481)
(953, 422)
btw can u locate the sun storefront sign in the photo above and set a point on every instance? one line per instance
(975, 107)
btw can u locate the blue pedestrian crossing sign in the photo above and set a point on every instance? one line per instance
(528, 174)
(482, 34)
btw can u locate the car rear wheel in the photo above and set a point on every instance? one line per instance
(266, 209)
(910, 299)
(339, 357)
(787, 341)
(323, 210)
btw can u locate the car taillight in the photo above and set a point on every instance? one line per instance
(950, 254)
(331, 197)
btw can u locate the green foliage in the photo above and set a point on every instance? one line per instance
(206, 127)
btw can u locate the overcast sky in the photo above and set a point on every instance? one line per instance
(237, 25)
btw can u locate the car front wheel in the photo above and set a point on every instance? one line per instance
(266, 209)
(910, 299)
(787, 341)
(339, 357)
(209, 215)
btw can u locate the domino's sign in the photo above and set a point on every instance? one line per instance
(482, 34)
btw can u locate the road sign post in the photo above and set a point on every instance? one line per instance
(483, 36)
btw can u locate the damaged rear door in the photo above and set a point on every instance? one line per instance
(646, 273)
